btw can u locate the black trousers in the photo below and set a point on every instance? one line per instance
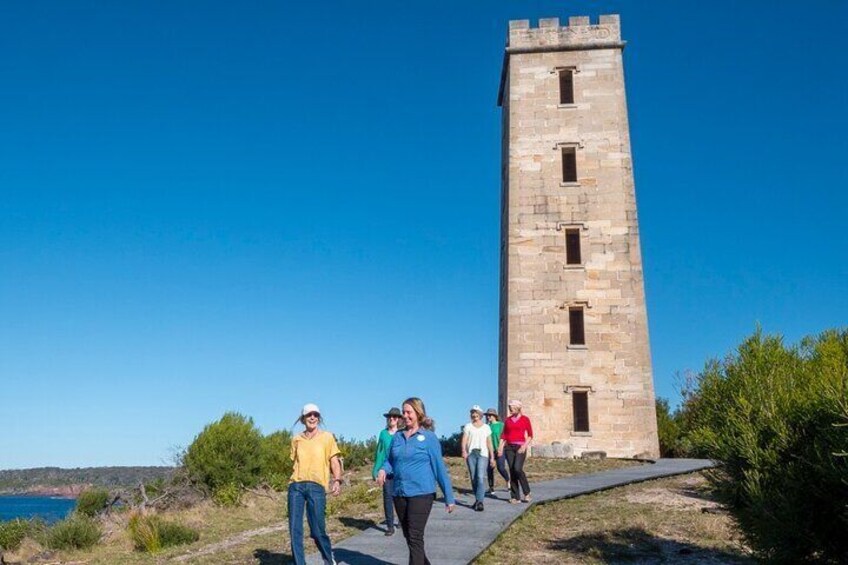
(515, 461)
(490, 471)
(413, 512)
(388, 488)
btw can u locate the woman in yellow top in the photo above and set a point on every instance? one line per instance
(314, 453)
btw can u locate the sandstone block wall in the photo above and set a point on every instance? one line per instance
(537, 364)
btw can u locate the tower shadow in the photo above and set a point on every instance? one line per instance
(637, 545)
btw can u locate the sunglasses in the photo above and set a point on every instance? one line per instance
(313, 415)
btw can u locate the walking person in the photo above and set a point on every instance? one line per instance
(478, 452)
(384, 442)
(515, 440)
(493, 420)
(314, 453)
(415, 459)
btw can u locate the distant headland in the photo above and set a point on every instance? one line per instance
(68, 483)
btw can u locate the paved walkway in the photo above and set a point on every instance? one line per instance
(457, 538)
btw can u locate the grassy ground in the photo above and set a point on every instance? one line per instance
(256, 533)
(661, 521)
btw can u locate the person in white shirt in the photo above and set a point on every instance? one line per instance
(478, 452)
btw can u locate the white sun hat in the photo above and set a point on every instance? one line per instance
(307, 408)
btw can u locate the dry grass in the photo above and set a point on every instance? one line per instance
(660, 521)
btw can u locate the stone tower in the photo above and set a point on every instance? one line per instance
(573, 324)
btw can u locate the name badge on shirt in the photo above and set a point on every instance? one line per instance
(420, 438)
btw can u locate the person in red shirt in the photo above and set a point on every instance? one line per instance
(515, 440)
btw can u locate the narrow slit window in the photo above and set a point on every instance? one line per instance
(566, 86)
(569, 164)
(572, 246)
(576, 332)
(580, 404)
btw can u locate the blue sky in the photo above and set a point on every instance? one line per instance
(212, 206)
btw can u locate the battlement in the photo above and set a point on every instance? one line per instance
(580, 33)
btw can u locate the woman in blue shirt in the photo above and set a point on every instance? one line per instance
(415, 460)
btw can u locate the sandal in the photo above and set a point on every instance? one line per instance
(514, 501)
(526, 498)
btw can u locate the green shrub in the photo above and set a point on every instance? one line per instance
(668, 430)
(227, 495)
(76, 532)
(770, 414)
(13, 532)
(151, 534)
(172, 533)
(155, 487)
(357, 454)
(452, 445)
(144, 535)
(278, 481)
(362, 493)
(226, 452)
(276, 459)
(92, 501)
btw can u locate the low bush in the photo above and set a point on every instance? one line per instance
(76, 532)
(172, 533)
(151, 534)
(363, 493)
(144, 535)
(355, 453)
(13, 532)
(92, 501)
(771, 414)
(156, 487)
(668, 430)
(452, 445)
(227, 495)
(278, 481)
(276, 459)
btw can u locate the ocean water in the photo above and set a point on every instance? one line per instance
(47, 508)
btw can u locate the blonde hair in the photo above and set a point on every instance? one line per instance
(417, 406)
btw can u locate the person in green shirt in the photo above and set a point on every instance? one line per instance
(497, 428)
(393, 418)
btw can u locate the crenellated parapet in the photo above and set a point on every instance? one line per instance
(580, 33)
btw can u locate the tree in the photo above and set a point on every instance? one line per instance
(226, 452)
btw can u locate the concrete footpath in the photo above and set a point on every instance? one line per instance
(459, 537)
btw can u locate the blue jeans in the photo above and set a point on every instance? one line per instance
(311, 497)
(477, 465)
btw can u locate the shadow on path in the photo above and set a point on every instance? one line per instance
(346, 556)
(636, 544)
(358, 523)
(267, 557)
(351, 557)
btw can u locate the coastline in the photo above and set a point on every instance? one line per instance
(71, 492)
